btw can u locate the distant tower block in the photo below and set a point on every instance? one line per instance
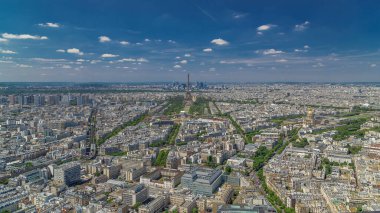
(309, 120)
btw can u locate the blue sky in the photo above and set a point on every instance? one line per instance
(213, 40)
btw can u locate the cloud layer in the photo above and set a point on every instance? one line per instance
(23, 36)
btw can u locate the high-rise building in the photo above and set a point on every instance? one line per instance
(68, 174)
(112, 172)
(12, 99)
(136, 194)
(20, 100)
(53, 100)
(39, 100)
(83, 100)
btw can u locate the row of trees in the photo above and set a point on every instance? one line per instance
(280, 120)
(271, 195)
(175, 105)
(239, 129)
(262, 156)
(118, 129)
(199, 106)
(170, 139)
(161, 158)
(350, 127)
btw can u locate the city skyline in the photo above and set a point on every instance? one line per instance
(214, 41)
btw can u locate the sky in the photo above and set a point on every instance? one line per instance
(213, 40)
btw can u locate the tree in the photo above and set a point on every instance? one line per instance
(209, 159)
(228, 169)
(353, 150)
(161, 158)
(136, 206)
(4, 181)
(194, 210)
(28, 164)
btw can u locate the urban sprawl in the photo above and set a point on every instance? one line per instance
(190, 147)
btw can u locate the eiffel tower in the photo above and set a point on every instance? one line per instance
(188, 96)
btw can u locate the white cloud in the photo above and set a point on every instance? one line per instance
(74, 51)
(60, 51)
(23, 36)
(272, 52)
(300, 50)
(225, 62)
(306, 47)
(177, 66)
(104, 39)
(212, 69)
(265, 27)
(7, 52)
(142, 60)
(23, 66)
(5, 62)
(127, 60)
(3, 40)
(171, 41)
(147, 40)
(108, 55)
(66, 67)
(49, 24)
(124, 42)
(301, 27)
(133, 60)
(219, 41)
(187, 55)
(183, 62)
(49, 60)
(239, 15)
(319, 64)
(373, 65)
(207, 50)
(281, 60)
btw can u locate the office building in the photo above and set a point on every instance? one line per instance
(68, 174)
(134, 174)
(136, 194)
(202, 181)
(155, 206)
